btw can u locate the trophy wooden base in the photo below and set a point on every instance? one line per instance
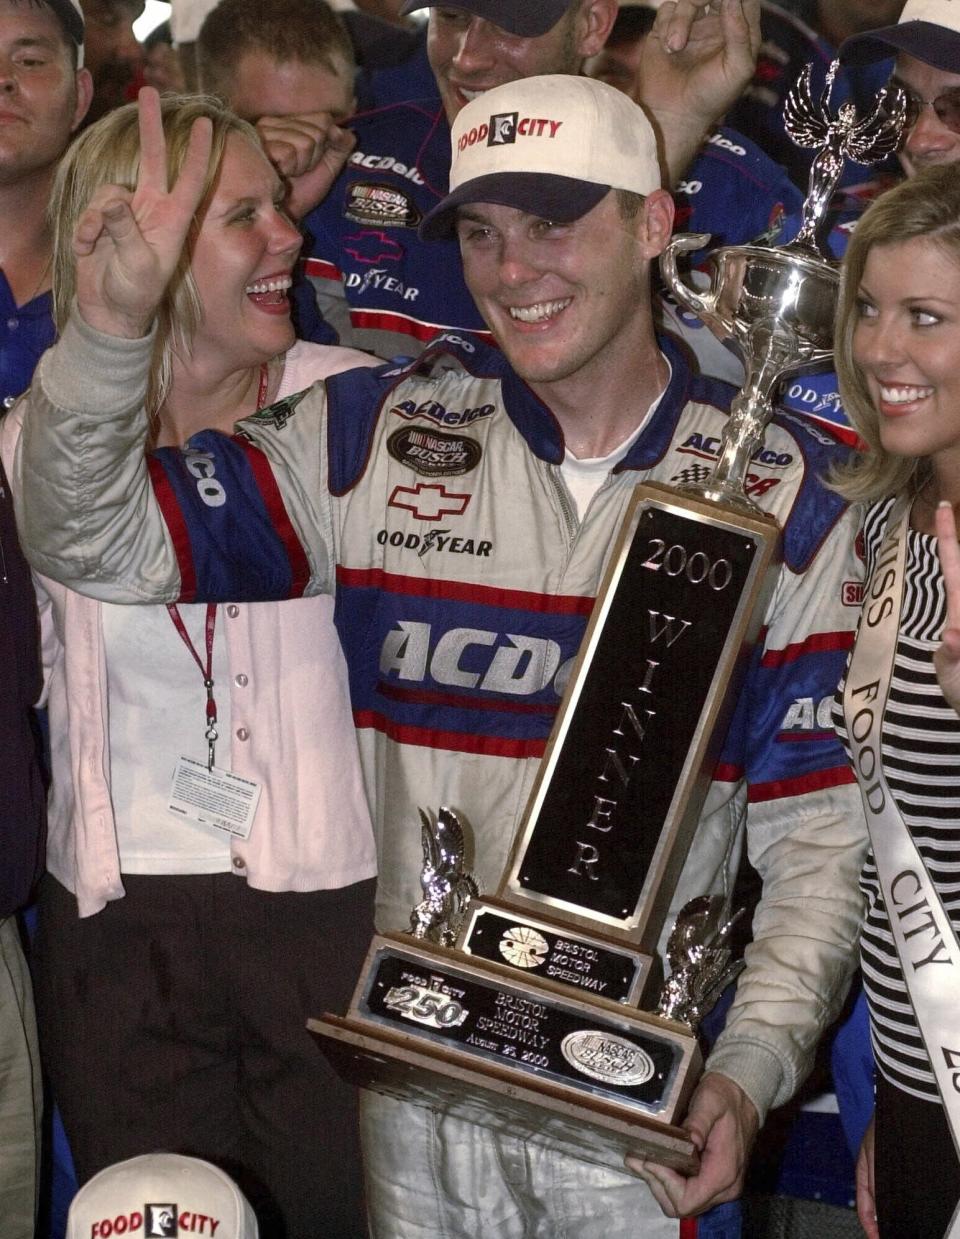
(469, 1039)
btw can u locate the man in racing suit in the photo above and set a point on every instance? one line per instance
(463, 509)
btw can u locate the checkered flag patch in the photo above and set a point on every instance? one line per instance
(692, 474)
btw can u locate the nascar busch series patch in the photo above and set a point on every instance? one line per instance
(380, 206)
(433, 453)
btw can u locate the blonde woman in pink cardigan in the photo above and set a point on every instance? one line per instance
(192, 920)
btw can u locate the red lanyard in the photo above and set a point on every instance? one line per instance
(206, 670)
(262, 389)
(211, 734)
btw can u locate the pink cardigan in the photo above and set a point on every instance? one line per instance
(313, 828)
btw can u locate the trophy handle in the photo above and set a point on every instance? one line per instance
(704, 305)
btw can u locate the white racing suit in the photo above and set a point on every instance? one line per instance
(430, 499)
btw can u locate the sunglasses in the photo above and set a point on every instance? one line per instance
(946, 106)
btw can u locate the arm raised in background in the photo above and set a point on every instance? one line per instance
(696, 61)
(309, 151)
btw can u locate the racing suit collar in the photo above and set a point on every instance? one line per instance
(534, 419)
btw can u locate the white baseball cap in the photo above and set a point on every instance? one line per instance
(928, 30)
(553, 146)
(157, 1196)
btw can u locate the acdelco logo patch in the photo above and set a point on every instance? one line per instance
(504, 128)
(439, 413)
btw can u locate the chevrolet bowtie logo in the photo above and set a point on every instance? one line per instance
(429, 501)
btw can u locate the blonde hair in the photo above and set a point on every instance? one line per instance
(925, 206)
(108, 153)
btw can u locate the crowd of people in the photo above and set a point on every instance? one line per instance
(223, 314)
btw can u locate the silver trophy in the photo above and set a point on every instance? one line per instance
(776, 304)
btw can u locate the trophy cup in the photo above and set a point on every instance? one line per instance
(521, 1011)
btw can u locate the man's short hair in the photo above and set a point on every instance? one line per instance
(527, 18)
(307, 31)
(629, 204)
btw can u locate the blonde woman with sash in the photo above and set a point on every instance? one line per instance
(898, 357)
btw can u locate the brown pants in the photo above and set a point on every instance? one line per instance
(175, 1020)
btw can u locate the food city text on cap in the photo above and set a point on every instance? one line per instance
(553, 146)
(160, 1195)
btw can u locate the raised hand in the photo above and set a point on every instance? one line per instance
(696, 61)
(127, 244)
(946, 660)
(308, 150)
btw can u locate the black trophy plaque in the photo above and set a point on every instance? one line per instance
(610, 819)
(596, 1078)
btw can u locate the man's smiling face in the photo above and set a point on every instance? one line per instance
(470, 55)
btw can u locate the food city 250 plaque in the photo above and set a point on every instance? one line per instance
(521, 1011)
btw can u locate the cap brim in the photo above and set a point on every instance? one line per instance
(70, 18)
(934, 45)
(560, 198)
(527, 18)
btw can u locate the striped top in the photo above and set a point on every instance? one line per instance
(921, 760)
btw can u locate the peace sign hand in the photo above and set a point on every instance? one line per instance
(127, 244)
